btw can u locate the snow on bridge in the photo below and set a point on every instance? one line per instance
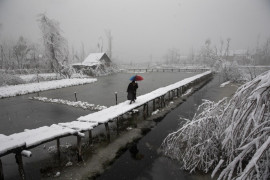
(19, 142)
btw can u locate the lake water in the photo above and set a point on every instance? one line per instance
(19, 113)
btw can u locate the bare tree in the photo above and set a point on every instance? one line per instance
(1, 50)
(20, 50)
(56, 48)
(227, 52)
(82, 52)
(109, 39)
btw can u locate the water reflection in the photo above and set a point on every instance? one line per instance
(134, 152)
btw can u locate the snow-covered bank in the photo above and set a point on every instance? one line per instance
(9, 91)
(79, 104)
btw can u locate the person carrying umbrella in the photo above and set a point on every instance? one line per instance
(132, 88)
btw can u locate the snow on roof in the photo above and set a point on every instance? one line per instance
(8, 143)
(93, 59)
(37, 136)
(112, 112)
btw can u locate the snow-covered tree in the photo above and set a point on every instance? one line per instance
(20, 50)
(232, 137)
(56, 48)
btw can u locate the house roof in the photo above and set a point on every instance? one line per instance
(93, 59)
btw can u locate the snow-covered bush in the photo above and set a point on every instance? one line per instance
(197, 143)
(232, 137)
(8, 79)
(231, 72)
(67, 72)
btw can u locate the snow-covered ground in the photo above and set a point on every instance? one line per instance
(9, 91)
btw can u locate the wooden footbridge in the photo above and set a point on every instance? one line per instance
(20, 143)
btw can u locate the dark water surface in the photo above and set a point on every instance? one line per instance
(19, 113)
(149, 164)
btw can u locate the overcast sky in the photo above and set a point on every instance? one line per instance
(141, 28)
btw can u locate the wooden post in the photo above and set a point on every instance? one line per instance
(107, 130)
(90, 137)
(147, 109)
(144, 109)
(19, 161)
(164, 101)
(177, 91)
(117, 126)
(154, 104)
(79, 148)
(75, 94)
(58, 147)
(116, 98)
(1, 171)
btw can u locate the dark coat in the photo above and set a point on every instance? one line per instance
(131, 90)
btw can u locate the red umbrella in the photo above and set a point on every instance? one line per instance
(136, 78)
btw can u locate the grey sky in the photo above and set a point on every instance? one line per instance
(141, 28)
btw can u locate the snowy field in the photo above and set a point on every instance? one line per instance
(9, 91)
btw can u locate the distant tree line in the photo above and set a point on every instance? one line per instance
(209, 54)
